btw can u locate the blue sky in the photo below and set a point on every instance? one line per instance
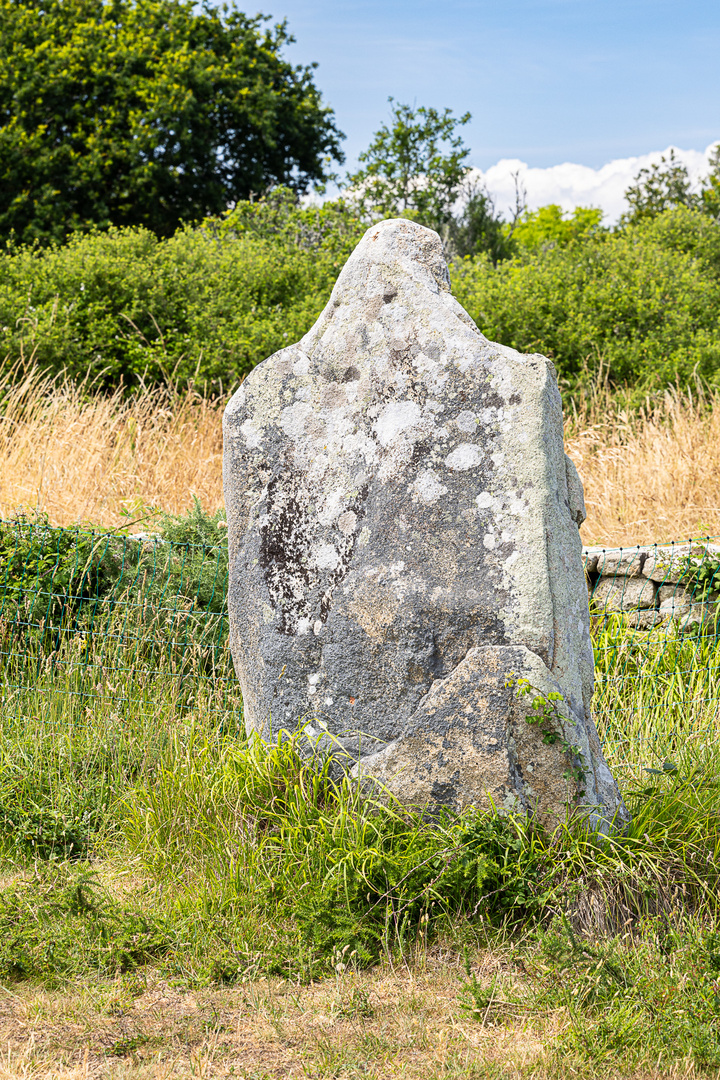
(547, 81)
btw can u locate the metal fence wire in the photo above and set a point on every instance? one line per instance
(88, 614)
(654, 623)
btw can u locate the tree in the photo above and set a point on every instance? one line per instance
(710, 192)
(413, 168)
(478, 227)
(638, 307)
(663, 186)
(549, 226)
(148, 112)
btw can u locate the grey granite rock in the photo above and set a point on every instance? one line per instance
(403, 530)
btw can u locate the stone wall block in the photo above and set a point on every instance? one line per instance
(667, 565)
(617, 594)
(673, 601)
(590, 560)
(698, 616)
(625, 562)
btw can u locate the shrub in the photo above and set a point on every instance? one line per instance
(639, 307)
(207, 303)
(158, 599)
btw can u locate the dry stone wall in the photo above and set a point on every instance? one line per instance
(655, 585)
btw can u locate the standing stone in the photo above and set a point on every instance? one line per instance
(403, 529)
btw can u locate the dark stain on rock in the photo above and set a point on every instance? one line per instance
(296, 589)
(490, 399)
(284, 550)
(445, 792)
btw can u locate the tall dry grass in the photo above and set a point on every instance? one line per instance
(652, 474)
(78, 454)
(81, 455)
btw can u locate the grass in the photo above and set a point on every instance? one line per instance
(650, 475)
(381, 1023)
(151, 853)
(657, 696)
(77, 454)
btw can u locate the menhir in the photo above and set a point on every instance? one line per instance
(404, 547)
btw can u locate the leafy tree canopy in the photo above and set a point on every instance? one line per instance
(478, 227)
(637, 308)
(148, 112)
(413, 168)
(549, 225)
(710, 193)
(667, 186)
(663, 186)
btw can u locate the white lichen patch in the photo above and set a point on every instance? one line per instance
(463, 457)
(395, 418)
(332, 505)
(347, 522)
(487, 501)
(467, 421)
(325, 557)
(252, 435)
(294, 417)
(427, 487)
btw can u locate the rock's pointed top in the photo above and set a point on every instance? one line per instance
(395, 259)
(402, 247)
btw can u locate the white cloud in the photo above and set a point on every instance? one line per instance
(572, 185)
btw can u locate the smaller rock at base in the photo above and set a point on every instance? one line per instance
(447, 757)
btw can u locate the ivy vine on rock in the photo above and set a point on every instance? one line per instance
(545, 715)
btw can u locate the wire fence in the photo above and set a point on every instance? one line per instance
(95, 615)
(141, 622)
(655, 624)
